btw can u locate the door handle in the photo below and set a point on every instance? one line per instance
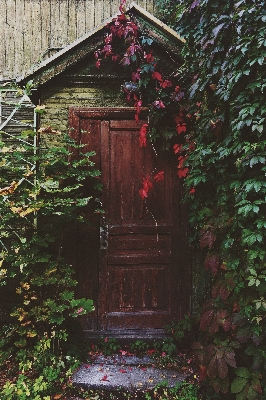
(103, 234)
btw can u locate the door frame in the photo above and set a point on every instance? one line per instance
(119, 113)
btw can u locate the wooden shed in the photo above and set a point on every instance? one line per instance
(133, 260)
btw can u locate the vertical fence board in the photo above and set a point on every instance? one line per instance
(72, 21)
(45, 25)
(81, 17)
(27, 28)
(98, 9)
(89, 15)
(9, 36)
(36, 55)
(114, 7)
(55, 23)
(63, 36)
(2, 41)
(107, 12)
(18, 36)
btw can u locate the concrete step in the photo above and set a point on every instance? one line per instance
(124, 372)
(128, 335)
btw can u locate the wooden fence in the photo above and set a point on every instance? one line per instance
(32, 29)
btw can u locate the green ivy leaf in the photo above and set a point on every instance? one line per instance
(238, 384)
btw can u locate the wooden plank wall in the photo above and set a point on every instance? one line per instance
(30, 27)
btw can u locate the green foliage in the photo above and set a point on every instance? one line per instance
(108, 346)
(181, 391)
(224, 71)
(139, 346)
(181, 331)
(42, 198)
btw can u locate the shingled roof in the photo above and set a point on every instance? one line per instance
(88, 43)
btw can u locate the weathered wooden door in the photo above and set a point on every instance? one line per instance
(136, 263)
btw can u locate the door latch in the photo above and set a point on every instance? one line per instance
(103, 234)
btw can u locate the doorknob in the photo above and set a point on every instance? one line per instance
(103, 234)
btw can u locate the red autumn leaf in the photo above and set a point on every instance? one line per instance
(208, 237)
(222, 368)
(107, 50)
(129, 368)
(116, 57)
(147, 185)
(181, 128)
(137, 105)
(144, 369)
(157, 104)
(159, 176)
(182, 173)
(181, 160)
(157, 75)
(256, 385)
(177, 148)
(202, 373)
(122, 7)
(166, 83)
(212, 263)
(57, 396)
(108, 38)
(123, 371)
(212, 368)
(47, 129)
(205, 319)
(178, 118)
(192, 191)
(135, 76)
(104, 378)
(125, 60)
(143, 135)
(143, 193)
(224, 292)
(229, 357)
(149, 58)
(191, 146)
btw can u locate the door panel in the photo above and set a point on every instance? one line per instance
(144, 274)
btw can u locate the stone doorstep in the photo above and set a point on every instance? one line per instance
(127, 373)
(128, 335)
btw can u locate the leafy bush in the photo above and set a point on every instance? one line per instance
(41, 201)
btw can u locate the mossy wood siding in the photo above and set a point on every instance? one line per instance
(33, 29)
(96, 94)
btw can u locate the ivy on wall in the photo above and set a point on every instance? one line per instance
(224, 71)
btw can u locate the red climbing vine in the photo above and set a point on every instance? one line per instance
(149, 85)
